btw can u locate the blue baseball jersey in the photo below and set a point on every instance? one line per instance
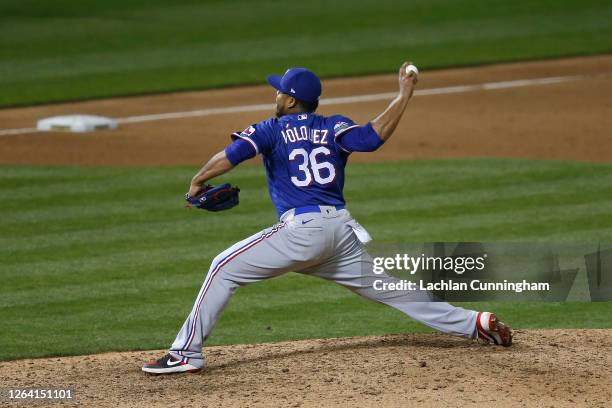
(303, 156)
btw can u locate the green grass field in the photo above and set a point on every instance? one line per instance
(61, 50)
(98, 259)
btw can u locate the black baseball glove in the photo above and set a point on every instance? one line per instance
(214, 198)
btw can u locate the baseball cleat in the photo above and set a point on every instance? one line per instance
(492, 330)
(168, 365)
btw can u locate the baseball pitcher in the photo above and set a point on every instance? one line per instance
(304, 155)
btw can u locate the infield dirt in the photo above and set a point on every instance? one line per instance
(569, 120)
(545, 368)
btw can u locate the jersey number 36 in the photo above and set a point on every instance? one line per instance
(309, 167)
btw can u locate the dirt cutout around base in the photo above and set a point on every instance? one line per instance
(564, 120)
(545, 368)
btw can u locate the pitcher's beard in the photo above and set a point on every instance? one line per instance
(279, 111)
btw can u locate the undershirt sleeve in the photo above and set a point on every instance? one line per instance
(239, 150)
(359, 139)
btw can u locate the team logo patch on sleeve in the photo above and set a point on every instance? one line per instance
(248, 131)
(339, 127)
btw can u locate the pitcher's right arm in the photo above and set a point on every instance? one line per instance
(386, 122)
(370, 137)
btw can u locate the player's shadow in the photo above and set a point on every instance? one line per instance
(430, 341)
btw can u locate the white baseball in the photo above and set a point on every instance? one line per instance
(411, 69)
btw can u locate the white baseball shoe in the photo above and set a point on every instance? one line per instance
(168, 365)
(492, 330)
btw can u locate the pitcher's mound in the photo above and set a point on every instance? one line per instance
(545, 368)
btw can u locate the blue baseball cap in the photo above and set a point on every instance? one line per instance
(300, 83)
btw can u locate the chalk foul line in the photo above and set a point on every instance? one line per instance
(487, 86)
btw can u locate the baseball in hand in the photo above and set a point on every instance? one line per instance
(412, 70)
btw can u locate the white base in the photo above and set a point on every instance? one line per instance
(76, 123)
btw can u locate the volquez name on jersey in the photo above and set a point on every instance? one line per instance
(295, 134)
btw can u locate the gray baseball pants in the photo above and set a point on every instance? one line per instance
(324, 244)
